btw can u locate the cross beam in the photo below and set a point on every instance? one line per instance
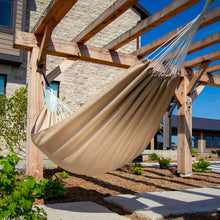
(68, 49)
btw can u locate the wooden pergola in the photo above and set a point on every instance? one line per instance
(40, 44)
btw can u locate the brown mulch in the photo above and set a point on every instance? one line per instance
(122, 181)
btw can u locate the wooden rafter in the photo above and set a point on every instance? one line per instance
(68, 49)
(212, 56)
(197, 76)
(56, 10)
(213, 68)
(103, 20)
(152, 21)
(205, 42)
(211, 17)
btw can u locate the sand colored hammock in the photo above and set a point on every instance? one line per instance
(119, 123)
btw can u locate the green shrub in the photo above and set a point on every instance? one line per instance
(164, 163)
(213, 151)
(17, 192)
(50, 188)
(136, 168)
(201, 166)
(63, 174)
(13, 119)
(153, 156)
(194, 152)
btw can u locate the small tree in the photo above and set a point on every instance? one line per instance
(13, 119)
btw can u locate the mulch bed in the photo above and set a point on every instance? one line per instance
(122, 181)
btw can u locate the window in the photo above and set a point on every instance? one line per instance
(2, 84)
(7, 18)
(195, 141)
(212, 141)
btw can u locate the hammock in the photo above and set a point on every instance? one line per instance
(119, 123)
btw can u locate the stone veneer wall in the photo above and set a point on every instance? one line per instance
(83, 80)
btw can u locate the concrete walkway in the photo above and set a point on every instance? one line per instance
(79, 211)
(161, 204)
(145, 205)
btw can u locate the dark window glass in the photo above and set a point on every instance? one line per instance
(208, 141)
(216, 142)
(2, 84)
(212, 141)
(195, 141)
(6, 13)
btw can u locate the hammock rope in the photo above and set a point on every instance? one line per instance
(119, 123)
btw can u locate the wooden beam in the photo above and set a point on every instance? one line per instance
(103, 20)
(59, 69)
(205, 42)
(212, 56)
(56, 10)
(197, 91)
(67, 49)
(213, 68)
(211, 17)
(45, 41)
(210, 79)
(152, 21)
(34, 158)
(198, 74)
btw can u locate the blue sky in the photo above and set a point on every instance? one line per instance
(207, 104)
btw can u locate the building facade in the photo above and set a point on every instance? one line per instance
(205, 135)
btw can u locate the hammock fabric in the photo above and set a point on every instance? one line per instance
(112, 129)
(118, 125)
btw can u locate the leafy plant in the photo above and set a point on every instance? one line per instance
(194, 152)
(136, 168)
(50, 188)
(201, 166)
(17, 192)
(153, 156)
(213, 151)
(164, 163)
(13, 119)
(63, 174)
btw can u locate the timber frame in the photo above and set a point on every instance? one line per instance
(40, 43)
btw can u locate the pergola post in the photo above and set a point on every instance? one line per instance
(166, 131)
(34, 157)
(184, 129)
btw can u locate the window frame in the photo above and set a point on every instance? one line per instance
(11, 30)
